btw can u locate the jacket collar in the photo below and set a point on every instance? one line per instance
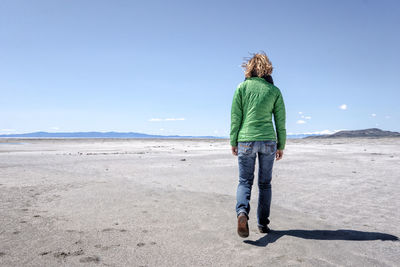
(255, 78)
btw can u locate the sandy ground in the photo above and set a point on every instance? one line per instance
(172, 203)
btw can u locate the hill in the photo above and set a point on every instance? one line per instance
(372, 132)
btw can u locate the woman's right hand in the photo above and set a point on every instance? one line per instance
(234, 150)
(279, 154)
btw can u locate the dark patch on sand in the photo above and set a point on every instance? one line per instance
(105, 247)
(113, 229)
(74, 231)
(95, 259)
(141, 244)
(2, 254)
(63, 254)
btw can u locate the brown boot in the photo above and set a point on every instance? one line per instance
(243, 226)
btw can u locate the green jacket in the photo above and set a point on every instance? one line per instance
(254, 102)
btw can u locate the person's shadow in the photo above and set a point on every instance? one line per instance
(340, 234)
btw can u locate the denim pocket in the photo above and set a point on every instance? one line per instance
(245, 147)
(270, 147)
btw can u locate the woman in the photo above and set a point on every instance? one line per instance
(252, 133)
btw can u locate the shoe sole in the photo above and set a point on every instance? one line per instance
(243, 228)
(264, 231)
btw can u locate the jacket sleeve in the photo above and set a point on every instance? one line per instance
(236, 116)
(280, 121)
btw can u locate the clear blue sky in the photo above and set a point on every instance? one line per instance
(171, 67)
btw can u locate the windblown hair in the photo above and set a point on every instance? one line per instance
(257, 66)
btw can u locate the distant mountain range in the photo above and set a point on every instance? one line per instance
(100, 135)
(372, 132)
(300, 135)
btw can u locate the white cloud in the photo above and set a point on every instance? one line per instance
(373, 115)
(175, 119)
(7, 130)
(55, 128)
(300, 122)
(325, 132)
(304, 116)
(343, 107)
(167, 119)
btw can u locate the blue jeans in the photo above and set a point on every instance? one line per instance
(247, 153)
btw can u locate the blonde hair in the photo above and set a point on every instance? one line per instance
(258, 65)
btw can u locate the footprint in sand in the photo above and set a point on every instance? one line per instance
(140, 244)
